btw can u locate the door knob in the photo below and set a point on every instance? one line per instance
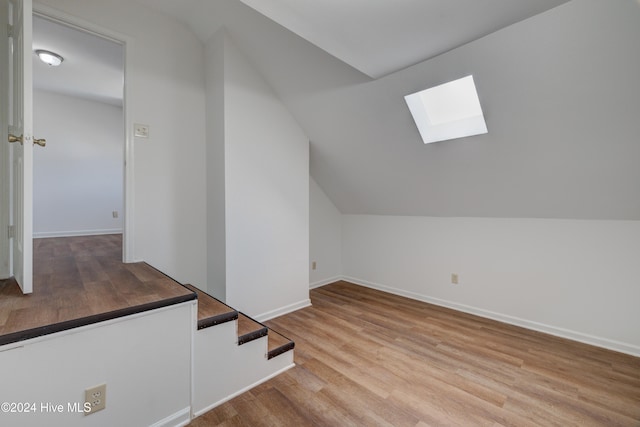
(13, 138)
(41, 142)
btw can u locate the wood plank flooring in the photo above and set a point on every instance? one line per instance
(81, 278)
(366, 358)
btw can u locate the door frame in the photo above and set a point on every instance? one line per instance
(46, 12)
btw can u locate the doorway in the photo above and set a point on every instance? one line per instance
(78, 106)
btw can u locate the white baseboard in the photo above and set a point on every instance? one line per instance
(178, 419)
(45, 234)
(239, 392)
(324, 282)
(621, 347)
(282, 310)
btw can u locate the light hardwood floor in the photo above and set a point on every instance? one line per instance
(366, 358)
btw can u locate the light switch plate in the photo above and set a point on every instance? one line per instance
(140, 130)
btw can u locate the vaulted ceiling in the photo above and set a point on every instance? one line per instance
(343, 67)
(376, 37)
(379, 37)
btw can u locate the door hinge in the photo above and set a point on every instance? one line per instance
(9, 30)
(11, 231)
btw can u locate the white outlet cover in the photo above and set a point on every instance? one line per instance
(96, 397)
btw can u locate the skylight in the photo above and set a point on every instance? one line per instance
(448, 111)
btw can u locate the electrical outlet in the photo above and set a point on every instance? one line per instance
(96, 397)
(140, 130)
(115, 214)
(454, 278)
(313, 265)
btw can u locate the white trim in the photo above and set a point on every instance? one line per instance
(245, 389)
(180, 418)
(127, 42)
(324, 282)
(621, 347)
(128, 248)
(5, 167)
(282, 310)
(45, 234)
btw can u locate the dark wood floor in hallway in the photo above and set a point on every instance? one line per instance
(81, 280)
(367, 358)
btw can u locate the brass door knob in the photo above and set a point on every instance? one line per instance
(41, 142)
(13, 138)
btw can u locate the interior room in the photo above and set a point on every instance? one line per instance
(272, 224)
(78, 177)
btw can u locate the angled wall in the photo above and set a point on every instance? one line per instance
(560, 96)
(562, 102)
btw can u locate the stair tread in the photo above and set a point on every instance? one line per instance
(278, 344)
(211, 311)
(249, 329)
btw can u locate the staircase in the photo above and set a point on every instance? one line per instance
(232, 353)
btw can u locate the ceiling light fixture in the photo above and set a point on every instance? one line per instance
(50, 58)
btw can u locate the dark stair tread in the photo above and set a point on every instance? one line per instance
(211, 311)
(249, 329)
(278, 344)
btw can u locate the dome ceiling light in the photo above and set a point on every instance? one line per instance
(50, 58)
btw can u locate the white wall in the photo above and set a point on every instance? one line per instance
(216, 234)
(325, 238)
(266, 195)
(573, 278)
(78, 176)
(145, 361)
(166, 92)
(245, 366)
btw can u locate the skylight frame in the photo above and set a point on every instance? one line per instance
(448, 111)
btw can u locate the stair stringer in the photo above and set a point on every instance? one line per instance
(223, 369)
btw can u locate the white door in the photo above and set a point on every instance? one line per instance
(20, 137)
(5, 165)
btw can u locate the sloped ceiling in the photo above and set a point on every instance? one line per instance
(543, 157)
(379, 37)
(376, 37)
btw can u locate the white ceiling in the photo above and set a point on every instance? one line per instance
(379, 37)
(376, 37)
(92, 67)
